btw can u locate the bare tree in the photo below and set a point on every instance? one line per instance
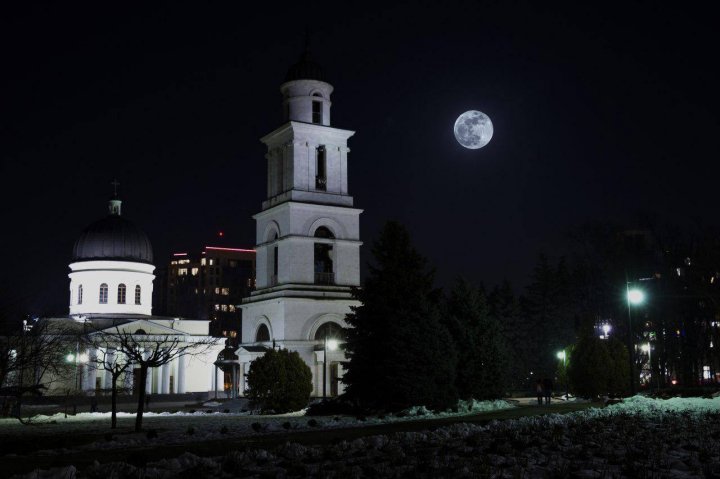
(143, 352)
(108, 358)
(33, 358)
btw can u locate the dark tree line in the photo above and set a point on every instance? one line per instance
(410, 344)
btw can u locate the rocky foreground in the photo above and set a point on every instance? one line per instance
(638, 438)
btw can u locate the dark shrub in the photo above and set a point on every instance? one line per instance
(190, 431)
(312, 423)
(256, 426)
(224, 430)
(152, 434)
(279, 381)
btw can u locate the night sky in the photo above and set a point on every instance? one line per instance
(601, 112)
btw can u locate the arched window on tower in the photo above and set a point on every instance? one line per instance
(80, 294)
(263, 334)
(103, 293)
(329, 330)
(317, 113)
(122, 292)
(137, 294)
(323, 263)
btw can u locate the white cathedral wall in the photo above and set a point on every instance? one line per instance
(298, 95)
(292, 323)
(91, 274)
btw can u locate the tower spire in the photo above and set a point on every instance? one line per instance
(115, 205)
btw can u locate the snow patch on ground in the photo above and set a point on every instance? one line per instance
(678, 437)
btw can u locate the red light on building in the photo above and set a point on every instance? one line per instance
(218, 248)
(221, 234)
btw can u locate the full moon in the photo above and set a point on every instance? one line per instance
(473, 129)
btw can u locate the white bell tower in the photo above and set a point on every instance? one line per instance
(308, 233)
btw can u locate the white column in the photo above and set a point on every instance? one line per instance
(241, 372)
(89, 371)
(220, 381)
(165, 379)
(109, 359)
(148, 380)
(180, 378)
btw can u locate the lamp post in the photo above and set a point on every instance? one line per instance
(331, 344)
(634, 297)
(562, 355)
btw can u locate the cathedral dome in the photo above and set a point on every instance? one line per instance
(113, 238)
(305, 69)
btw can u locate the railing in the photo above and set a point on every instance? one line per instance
(320, 183)
(324, 278)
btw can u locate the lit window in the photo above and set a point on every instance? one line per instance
(706, 372)
(224, 307)
(194, 271)
(121, 293)
(137, 294)
(182, 272)
(80, 294)
(225, 291)
(217, 290)
(173, 262)
(103, 293)
(183, 261)
(202, 262)
(233, 334)
(217, 307)
(231, 308)
(210, 261)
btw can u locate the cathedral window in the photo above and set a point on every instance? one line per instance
(320, 168)
(80, 294)
(323, 262)
(263, 334)
(103, 293)
(137, 294)
(317, 116)
(324, 232)
(274, 278)
(121, 293)
(329, 330)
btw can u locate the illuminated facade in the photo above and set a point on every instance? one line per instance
(111, 284)
(308, 236)
(210, 286)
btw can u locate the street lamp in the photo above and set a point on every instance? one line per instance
(332, 345)
(562, 355)
(634, 297)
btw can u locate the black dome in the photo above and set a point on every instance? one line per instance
(113, 238)
(305, 69)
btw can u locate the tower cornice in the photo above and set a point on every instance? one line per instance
(293, 130)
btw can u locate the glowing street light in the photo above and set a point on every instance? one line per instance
(329, 344)
(563, 355)
(634, 297)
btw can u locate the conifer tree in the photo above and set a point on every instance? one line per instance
(504, 307)
(481, 367)
(399, 353)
